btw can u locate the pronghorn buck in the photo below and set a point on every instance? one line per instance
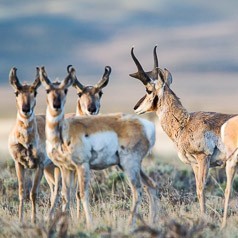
(78, 144)
(229, 135)
(88, 103)
(196, 135)
(27, 139)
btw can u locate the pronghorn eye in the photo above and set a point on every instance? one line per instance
(65, 91)
(16, 93)
(80, 94)
(47, 91)
(35, 93)
(148, 91)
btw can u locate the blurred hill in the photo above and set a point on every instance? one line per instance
(197, 42)
(193, 36)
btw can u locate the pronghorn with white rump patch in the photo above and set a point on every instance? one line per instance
(88, 103)
(229, 136)
(196, 135)
(27, 139)
(98, 142)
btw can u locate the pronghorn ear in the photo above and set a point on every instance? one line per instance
(44, 78)
(105, 78)
(168, 77)
(37, 81)
(13, 79)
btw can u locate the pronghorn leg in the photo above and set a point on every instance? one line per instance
(230, 172)
(66, 176)
(77, 194)
(150, 187)
(34, 191)
(54, 187)
(134, 178)
(20, 176)
(78, 202)
(201, 172)
(51, 185)
(83, 172)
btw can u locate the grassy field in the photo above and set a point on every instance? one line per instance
(110, 201)
(110, 194)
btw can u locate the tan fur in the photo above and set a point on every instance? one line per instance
(81, 148)
(196, 135)
(88, 97)
(128, 129)
(230, 140)
(27, 140)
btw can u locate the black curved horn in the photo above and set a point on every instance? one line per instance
(37, 81)
(43, 76)
(154, 73)
(14, 81)
(141, 75)
(105, 78)
(76, 83)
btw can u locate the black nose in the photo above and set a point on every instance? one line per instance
(26, 109)
(57, 103)
(92, 109)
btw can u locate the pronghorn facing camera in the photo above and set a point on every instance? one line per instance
(98, 142)
(88, 103)
(89, 97)
(229, 135)
(196, 135)
(27, 139)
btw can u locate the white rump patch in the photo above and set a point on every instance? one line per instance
(104, 141)
(103, 149)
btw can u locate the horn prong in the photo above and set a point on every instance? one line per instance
(141, 75)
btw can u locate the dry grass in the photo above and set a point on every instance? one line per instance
(110, 195)
(110, 203)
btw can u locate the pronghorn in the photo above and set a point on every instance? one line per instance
(229, 138)
(88, 103)
(196, 135)
(27, 139)
(89, 97)
(78, 144)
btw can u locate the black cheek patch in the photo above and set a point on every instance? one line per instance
(155, 101)
(100, 94)
(139, 102)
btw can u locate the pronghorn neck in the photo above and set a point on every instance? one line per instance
(26, 121)
(27, 130)
(172, 115)
(54, 124)
(79, 111)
